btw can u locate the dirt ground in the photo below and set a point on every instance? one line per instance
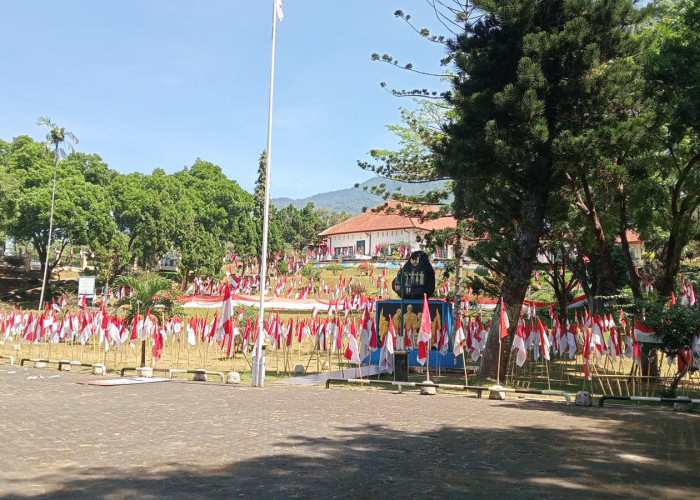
(187, 440)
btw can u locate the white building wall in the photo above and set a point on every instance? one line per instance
(354, 243)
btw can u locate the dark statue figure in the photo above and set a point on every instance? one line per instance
(418, 277)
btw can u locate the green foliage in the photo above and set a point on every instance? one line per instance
(14, 261)
(311, 272)
(671, 69)
(126, 219)
(419, 135)
(282, 267)
(299, 228)
(334, 268)
(675, 325)
(151, 292)
(275, 240)
(214, 210)
(82, 203)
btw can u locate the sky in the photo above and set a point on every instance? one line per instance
(151, 84)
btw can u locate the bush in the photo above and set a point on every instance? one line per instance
(309, 271)
(282, 267)
(14, 260)
(334, 268)
(365, 268)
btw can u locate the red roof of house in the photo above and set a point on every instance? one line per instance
(632, 237)
(388, 218)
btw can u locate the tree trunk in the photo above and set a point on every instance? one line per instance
(671, 257)
(143, 353)
(578, 267)
(458, 249)
(517, 279)
(649, 362)
(635, 284)
(682, 209)
(608, 283)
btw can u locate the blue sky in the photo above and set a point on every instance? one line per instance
(160, 83)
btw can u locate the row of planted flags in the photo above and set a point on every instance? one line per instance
(590, 335)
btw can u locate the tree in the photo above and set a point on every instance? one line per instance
(274, 231)
(672, 75)
(529, 87)
(676, 327)
(8, 188)
(81, 213)
(214, 211)
(56, 136)
(300, 228)
(330, 218)
(148, 293)
(419, 135)
(145, 209)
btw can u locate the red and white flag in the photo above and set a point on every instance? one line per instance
(571, 339)
(225, 326)
(459, 337)
(615, 343)
(504, 323)
(544, 339)
(352, 353)
(424, 332)
(644, 334)
(519, 345)
(386, 355)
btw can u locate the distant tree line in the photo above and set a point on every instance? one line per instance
(129, 220)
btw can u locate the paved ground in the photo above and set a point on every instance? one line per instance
(186, 440)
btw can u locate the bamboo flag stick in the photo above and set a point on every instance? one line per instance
(498, 368)
(464, 364)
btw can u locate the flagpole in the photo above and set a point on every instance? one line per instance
(258, 379)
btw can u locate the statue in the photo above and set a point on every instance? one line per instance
(416, 277)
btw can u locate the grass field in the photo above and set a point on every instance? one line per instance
(559, 374)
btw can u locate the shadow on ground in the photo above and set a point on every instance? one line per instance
(617, 460)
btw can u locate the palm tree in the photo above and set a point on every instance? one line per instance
(56, 136)
(149, 292)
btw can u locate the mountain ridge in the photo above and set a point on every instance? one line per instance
(353, 200)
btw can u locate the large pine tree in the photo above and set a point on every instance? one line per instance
(529, 87)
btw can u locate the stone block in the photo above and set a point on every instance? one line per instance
(497, 392)
(200, 376)
(583, 398)
(427, 390)
(299, 370)
(233, 378)
(683, 405)
(99, 369)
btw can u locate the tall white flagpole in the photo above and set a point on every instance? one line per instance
(258, 379)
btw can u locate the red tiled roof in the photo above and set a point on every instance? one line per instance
(632, 237)
(386, 220)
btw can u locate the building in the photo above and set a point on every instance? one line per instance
(385, 230)
(636, 247)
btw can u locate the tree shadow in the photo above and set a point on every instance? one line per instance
(655, 457)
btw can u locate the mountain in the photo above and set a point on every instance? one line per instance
(354, 199)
